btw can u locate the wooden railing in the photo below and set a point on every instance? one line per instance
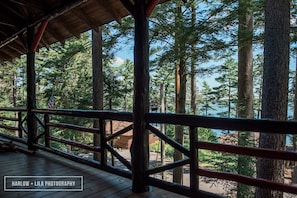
(13, 125)
(193, 122)
(45, 138)
(105, 139)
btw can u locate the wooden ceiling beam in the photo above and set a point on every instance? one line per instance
(22, 41)
(5, 57)
(67, 28)
(11, 10)
(107, 6)
(19, 45)
(45, 43)
(55, 13)
(7, 24)
(129, 6)
(84, 18)
(15, 49)
(3, 33)
(28, 3)
(56, 35)
(38, 36)
(150, 7)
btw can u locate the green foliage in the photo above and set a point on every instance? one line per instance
(226, 91)
(118, 83)
(208, 99)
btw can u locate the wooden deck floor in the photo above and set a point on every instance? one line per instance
(96, 183)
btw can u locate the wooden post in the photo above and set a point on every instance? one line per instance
(194, 181)
(97, 76)
(31, 90)
(139, 147)
(47, 131)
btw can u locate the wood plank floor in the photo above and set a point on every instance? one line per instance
(97, 183)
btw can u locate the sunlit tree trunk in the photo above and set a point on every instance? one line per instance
(193, 65)
(294, 139)
(275, 88)
(245, 88)
(180, 91)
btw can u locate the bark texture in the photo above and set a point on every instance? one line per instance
(275, 87)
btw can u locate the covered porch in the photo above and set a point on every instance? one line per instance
(96, 183)
(32, 126)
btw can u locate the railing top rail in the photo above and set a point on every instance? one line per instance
(14, 109)
(263, 125)
(113, 115)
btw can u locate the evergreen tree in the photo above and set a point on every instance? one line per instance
(225, 92)
(207, 100)
(245, 88)
(275, 87)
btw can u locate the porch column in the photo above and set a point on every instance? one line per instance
(140, 145)
(31, 90)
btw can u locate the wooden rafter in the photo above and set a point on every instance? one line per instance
(108, 7)
(84, 18)
(14, 49)
(19, 45)
(3, 23)
(151, 6)
(67, 27)
(3, 33)
(28, 3)
(38, 35)
(66, 19)
(11, 10)
(45, 43)
(55, 13)
(129, 6)
(4, 56)
(22, 41)
(7, 54)
(56, 35)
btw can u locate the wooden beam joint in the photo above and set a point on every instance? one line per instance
(38, 36)
(150, 7)
(129, 6)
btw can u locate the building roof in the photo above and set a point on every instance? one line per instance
(66, 18)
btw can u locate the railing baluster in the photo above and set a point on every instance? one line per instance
(194, 181)
(20, 131)
(47, 130)
(102, 142)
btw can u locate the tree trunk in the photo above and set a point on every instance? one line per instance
(245, 88)
(97, 81)
(294, 139)
(180, 108)
(275, 87)
(180, 91)
(193, 65)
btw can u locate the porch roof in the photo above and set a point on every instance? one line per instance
(65, 19)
